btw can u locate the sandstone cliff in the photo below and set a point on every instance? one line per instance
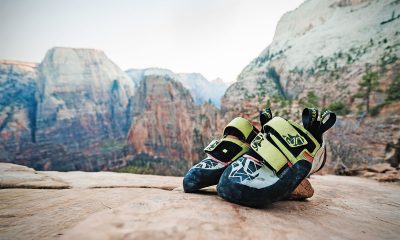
(77, 110)
(167, 123)
(318, 57)
(17, 106)
(72, 111)
(323, 46)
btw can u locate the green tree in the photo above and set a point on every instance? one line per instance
(393, 93)
(312, 100)
(368, 85)
(339, 107)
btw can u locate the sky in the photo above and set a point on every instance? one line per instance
(216, 38)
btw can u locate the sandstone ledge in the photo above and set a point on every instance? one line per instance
(106, 205)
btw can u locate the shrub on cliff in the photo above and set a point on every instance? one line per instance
(393, 92)
(368, 85)
(312, 100)
(339, 108)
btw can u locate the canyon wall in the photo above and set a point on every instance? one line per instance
(72, 111)
(322, 55)
(167, 123)
(77, 110)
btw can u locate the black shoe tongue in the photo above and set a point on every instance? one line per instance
(234, 132)
(265, 117)
(310, 121)
(315, 127)
(328, 119)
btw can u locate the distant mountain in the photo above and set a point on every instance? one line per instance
(201, 89)
(77, 110)
(137, 75)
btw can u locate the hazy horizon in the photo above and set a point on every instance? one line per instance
(215, 38)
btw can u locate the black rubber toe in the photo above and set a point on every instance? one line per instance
(197, 178)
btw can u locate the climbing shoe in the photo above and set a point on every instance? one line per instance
(280, 157)
(236, 140)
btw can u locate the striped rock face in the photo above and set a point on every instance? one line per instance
(77, 110)
(62, 113)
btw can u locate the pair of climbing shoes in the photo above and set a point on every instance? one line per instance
(254, 168)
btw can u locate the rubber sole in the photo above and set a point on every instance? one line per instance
(232, 190)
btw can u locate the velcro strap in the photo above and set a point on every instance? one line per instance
(268, 152)
(287, 132)
(240, 124)
(293, 139)
(285, 141)
(237, 135)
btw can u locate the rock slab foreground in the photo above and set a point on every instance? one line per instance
(104, 205)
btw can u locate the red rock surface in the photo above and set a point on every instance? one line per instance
(106, 205)
(167, 123)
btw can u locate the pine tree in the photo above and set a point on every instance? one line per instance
(368, 84)
(393, 92)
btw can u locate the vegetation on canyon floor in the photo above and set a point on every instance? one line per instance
(145, 164)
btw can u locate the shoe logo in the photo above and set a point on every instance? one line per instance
(207, 164)
(295, 141)
(256, 143)
(244, 169)
(213, 144)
